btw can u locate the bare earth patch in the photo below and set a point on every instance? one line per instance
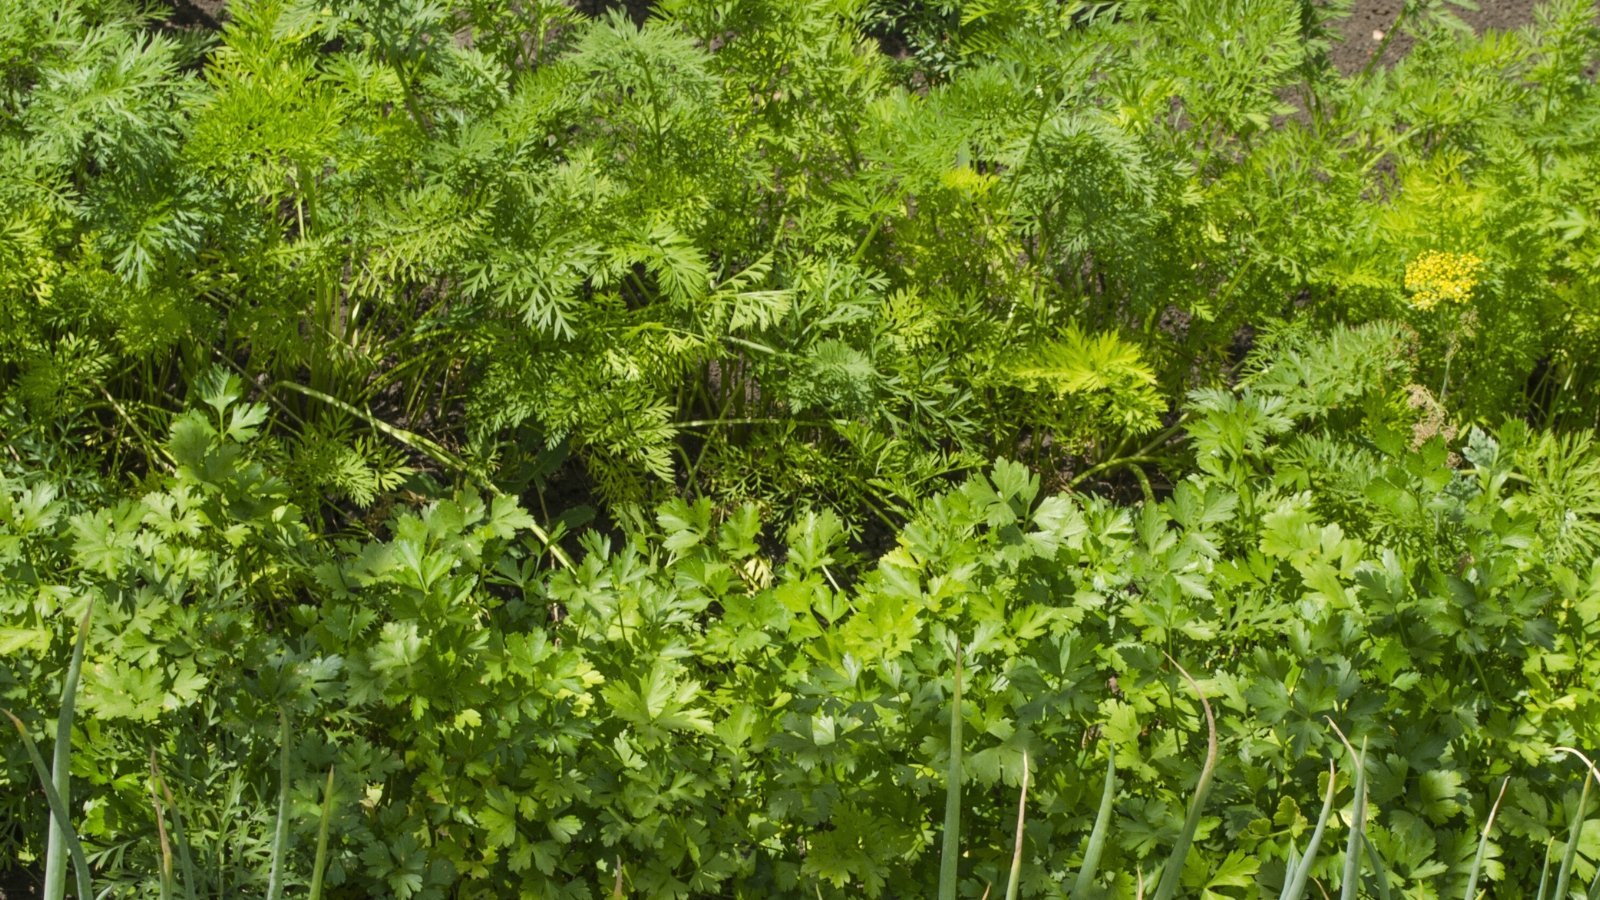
(1372, 19)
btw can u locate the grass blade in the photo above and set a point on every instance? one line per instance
(58, 813)
(1564, 874)
(1358, 825)
(1594, 886)
(1379, 873)
(1544, 871)
(55, 855)
(1295, 887)
(280, 832)
(1167, 887)
(1593, 770)
(1022, 813)
(320, 868)
(1358, 817)
(1483, 843)
(1102, 824)
(952, 796)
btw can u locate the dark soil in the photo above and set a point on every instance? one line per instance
(18, 884)
(197, 13)
(1371, 20)
(637, 10)
(1363, 31)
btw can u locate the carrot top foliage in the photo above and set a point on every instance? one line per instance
(324, 333)
(741, 253)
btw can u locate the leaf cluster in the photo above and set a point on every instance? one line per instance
(703, 712)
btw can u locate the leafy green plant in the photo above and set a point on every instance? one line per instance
(739, 252)
(698, 711)
(63, 844)
(322, 332)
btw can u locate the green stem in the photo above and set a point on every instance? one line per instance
(1483, 844)
(872, 232)
(1167, 888)
(1012, 883)
(430, 449)
(320, 866)
(58, 818)
(1388, 37)
(56, 850)
(1097, 836)
(280, 831)
(1112, 464)
(950, 851)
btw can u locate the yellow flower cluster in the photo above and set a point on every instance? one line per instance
(1436, 277)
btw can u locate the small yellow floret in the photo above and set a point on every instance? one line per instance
(1436, 277)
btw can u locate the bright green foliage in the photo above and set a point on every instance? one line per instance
(723, 719)
(740, 253)
(319, 333)
(185, 581)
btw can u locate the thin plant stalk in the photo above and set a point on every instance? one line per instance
(1577, 824)
(178, 836)
(1593, 770)
(58, 813)
(320, 868)
(950, 851)
(1022, 815)
(1358, 821)
(1102, 824)
(161, 831)
(1295, 887)
(1483, 843)
(280, 832)
(1544, 870)
(1388, 37)
(1167, 887)
(427, 447)
(1379, 873)
(1564, 874)
(56, 853)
